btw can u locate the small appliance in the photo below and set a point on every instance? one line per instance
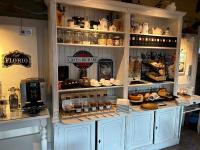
(33, 95)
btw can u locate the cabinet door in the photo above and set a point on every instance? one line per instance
(110, 135)
(139, 129)
(75, 137)
(167, 123)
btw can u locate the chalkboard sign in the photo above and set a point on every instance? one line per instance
(16, 58)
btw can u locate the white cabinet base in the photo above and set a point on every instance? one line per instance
(139, 130)
(74, 137)
(111, 134)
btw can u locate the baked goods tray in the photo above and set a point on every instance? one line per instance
(160, 100)
(90, 115)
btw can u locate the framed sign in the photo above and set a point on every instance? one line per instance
(182, 62)
(16, 58)
(105, 69)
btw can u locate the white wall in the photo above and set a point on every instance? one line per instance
(189, 44)
(11, 40)
(37, 47)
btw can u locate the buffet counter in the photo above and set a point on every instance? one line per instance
(23, 120)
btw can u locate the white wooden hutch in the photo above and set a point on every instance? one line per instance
(139, 129)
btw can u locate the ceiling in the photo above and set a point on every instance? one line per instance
(23, 8)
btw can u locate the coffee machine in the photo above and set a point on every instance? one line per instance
(33, 95)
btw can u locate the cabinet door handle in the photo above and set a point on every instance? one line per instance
(99, 141)
(156, 127)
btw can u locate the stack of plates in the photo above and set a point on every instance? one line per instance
(123, 105)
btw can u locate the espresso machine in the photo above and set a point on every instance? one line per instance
(33, 95)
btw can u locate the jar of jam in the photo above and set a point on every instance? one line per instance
(94, 39)
(109, 40)
(102, 39)
(116, 41)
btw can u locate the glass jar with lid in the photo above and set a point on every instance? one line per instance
(86, 38)
(109, 39)
(3, 109)
(68, 37)
(102, 39)
(116, 40)
(60, 36)
(13, 98)
(94, 39)
(78, 37)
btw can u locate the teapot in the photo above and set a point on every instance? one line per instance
(103, 24)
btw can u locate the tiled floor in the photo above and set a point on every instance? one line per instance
(190, 140)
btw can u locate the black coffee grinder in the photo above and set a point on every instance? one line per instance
(33, 95)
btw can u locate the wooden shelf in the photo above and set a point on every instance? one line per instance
(150, 47)
(151, 84)
(90, 30)
(90, 88)
(155, 35)
(82, 45)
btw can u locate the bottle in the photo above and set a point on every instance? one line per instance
(59, 15)
(139, 40)
(133, 40)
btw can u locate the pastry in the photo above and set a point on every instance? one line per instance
(146, 95)
(138, 97)
(117, 82)
(163, 92)
(155, 76)
(157, 64)
(94, 83)
(162, 72)
(149, 106)
(153, 96)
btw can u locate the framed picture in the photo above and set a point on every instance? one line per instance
(182, 62)
(105, 69)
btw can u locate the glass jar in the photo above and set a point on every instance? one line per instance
(102, 39)
(137, 69)
(86, 38)
(94, 39)
(68, 37)
(3, 109)
(77, 38)
(78, 107)
(109, 40)
(116, 41)
(60, 36)
(13, 99)
(70, 23)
